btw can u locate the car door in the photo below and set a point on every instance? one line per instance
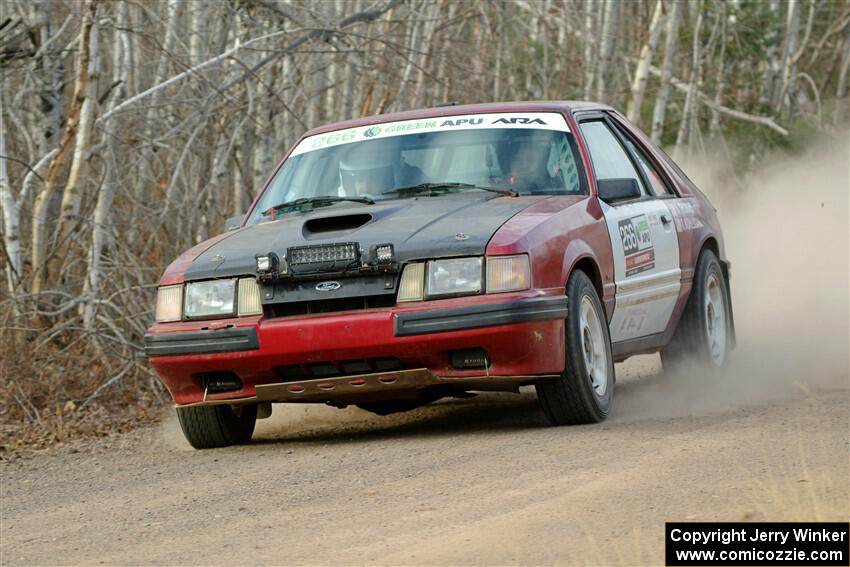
(644, 242)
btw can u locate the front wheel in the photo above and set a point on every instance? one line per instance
(583, 393)
(207, 427)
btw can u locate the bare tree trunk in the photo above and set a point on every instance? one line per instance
(771, 75)
(589, 49)
(609, 39)
(784, 93)
(642, 71)
(72, 197)
(52, 78)
(841, 103)
(11, 215)
(497, 78)
(42, 201)
(720, 76)
(413, 41)
(687, 125)
(666, 71)
(198, 12)
(100, 226)
(427, 50)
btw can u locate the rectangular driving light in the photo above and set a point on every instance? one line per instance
(384, 253)
(348, 251)
(169, 303)
(412, 285)
(249, 298)
(264, 264)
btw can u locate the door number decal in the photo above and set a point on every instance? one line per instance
(637, 245)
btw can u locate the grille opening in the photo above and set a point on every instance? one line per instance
(334, 224)
(355, 366)
(387, 364)
(328, 369)
(292, 372)
(322, 369)
(220, 381)
(330, 305)
(342, 304)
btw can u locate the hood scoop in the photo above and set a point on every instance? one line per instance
(324, 227)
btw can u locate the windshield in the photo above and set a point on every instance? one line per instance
(529, 154)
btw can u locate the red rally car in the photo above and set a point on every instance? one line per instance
(394, 260)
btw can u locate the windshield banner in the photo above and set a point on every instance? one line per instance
(536, 120)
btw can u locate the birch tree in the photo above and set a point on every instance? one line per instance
(672, 32)
(42, 202)
(609, 40)
(645, 60)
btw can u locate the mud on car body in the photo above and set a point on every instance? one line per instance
(395, 260)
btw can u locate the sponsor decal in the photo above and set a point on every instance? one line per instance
(332, 139)
(638, 250)
(404, 127)
(634, 321)
(518, 120)
(685, 216)
(462, 121)
(536, 120)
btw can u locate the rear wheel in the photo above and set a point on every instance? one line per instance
(583, 393)
(703, 335)
(207, 427)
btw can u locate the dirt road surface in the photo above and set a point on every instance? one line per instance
(479, 481)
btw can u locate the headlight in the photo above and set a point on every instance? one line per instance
(211, 298)
(456, 276)
(508, 273)
(169, 304)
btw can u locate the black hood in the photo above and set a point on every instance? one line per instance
(426, 227)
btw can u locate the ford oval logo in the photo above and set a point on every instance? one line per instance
(328, 286)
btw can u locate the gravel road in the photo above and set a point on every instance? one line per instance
(480, 481)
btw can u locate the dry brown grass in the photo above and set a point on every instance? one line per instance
(54, 393)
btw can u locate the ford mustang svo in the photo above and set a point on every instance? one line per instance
(395, 260)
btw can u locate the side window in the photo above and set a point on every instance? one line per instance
(659, 189)
(609, 157)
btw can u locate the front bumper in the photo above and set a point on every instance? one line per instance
(523, 335)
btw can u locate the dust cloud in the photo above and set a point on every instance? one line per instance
(786, 232)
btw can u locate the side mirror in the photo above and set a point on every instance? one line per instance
(618, 189)
(234, 222)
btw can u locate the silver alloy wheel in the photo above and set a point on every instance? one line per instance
(715, 319)
(593, 346)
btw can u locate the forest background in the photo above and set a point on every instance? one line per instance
(131, 129)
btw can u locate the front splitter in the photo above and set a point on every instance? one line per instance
(364, 386)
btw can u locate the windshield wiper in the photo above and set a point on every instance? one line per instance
(309, 203)
(443, 188)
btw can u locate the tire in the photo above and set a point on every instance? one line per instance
(583, 393)
(704, 334)
(207, 427)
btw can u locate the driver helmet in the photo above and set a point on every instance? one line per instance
(367, 169)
